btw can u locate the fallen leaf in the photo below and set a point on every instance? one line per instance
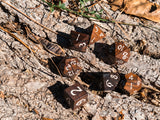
(140, 8)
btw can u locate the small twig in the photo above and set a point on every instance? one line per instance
(57, 69)
(150, 87)
(81, 82)
(94, 4)
(80, 14)
(29, 17)
(11, 34)
(116, 22)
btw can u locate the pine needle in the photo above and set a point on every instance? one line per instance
(11, 34)
(29, 17)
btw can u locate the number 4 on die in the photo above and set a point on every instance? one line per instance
(96, 35)
(75, 95)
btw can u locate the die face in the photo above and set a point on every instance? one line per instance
(79, 41)
(75, 95)
(70, 67)
(131, 76)
(133, 83)
(97, 34)
(110, 80)
(80, 101)
(119, 47)
(122, 53)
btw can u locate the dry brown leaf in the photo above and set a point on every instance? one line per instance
(140, 8)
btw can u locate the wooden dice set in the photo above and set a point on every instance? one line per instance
(131, 83)
(118, 53)
(76, 95)
(80, 41)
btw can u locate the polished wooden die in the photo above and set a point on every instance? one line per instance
(75, 96)
(117, 53)
(79, 41)
(96, 35)
(109, 81)
(70, 67)
(133, 83)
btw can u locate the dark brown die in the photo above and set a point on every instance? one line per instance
(117, 53)
(75, 95)
(109, 81)
(133, 83)
(79, 41)
(97, 34)
(70, 67)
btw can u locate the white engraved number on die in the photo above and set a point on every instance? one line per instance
(138, 83)
(78, 37)
(114, 76)
(76, 90)
(125, 55)
(101, 34)
(108, 83)
(96, 29)
(68, 66)
(80, 102)
(82, 44)
(70, 73)
(131, 86)
(93, 39)
(73, 62)
(120, 47)
(131, 77)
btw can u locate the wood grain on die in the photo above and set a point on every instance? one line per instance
(97, 34)
(70, 67)
(109, 81)
(119, 47)
(122, 53)
(133, 83)
(75, 95)
(79, 41)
